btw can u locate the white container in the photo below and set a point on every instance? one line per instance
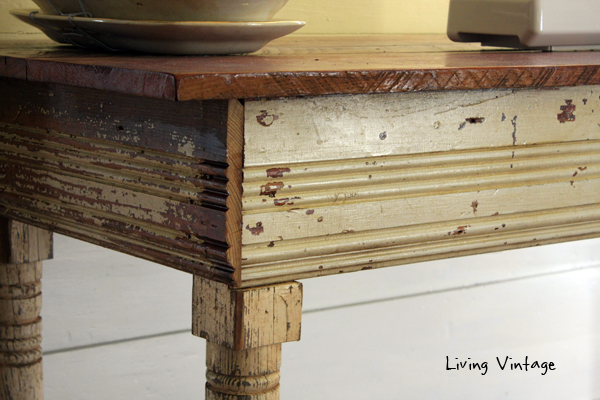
(525, 23)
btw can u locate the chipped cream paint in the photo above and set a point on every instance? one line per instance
(402, 176)
(414, 123)
(429, 208)
(345, 183)
(186, 145)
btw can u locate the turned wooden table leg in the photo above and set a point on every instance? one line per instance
(253, 373)
(244, 330)
(22, 249)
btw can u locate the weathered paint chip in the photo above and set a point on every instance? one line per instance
(266, 119)
(475, 120)
(271, 188)
(567, 112)
(277, 172)
(257, 230)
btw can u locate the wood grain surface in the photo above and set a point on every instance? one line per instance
(23, 249)
(246, 318)
(304, 66)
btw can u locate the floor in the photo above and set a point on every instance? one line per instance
(116, 327)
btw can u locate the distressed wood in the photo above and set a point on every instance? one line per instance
(192, 129)
(309, 66)
(20, 303)
(147, 177)
(249, 318)
(249, 374)
(315, 129)
(421, 177)
(13, 68)
(235, 153)
(22, 243)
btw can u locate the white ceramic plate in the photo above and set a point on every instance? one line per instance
(160, 37)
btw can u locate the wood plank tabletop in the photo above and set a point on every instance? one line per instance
(303, 66)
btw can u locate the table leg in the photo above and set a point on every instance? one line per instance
(251, 374)
(22, 249)
(244, 329)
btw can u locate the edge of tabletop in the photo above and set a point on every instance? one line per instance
(104, 77)
(291, 74)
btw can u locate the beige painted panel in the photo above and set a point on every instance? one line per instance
(380, 215)
(347, 183)
(346, 127)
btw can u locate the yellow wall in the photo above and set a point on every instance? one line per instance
(368, 16)
(321, 16)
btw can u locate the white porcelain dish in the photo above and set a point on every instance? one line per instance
(168, 10)
(177, 38)
(541, 24)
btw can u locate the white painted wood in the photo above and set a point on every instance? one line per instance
(358, 126)
(347, 183)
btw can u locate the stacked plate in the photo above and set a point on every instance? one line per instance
(161, 26)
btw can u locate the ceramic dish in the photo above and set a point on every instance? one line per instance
(168, 10)
(191, 38)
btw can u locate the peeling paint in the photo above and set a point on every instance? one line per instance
(514, 133)
(475, 120)
(257, 230)
(461, 230)
(567, 112)
(277, 172)
(287, 200)
(271, 188)
(266, 119)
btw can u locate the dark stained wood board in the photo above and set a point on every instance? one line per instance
(303, 66)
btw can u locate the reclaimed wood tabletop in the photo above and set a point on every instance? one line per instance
(300, 66)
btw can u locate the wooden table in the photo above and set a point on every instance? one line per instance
(312, 157)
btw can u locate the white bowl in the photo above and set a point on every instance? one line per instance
(169, 10)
